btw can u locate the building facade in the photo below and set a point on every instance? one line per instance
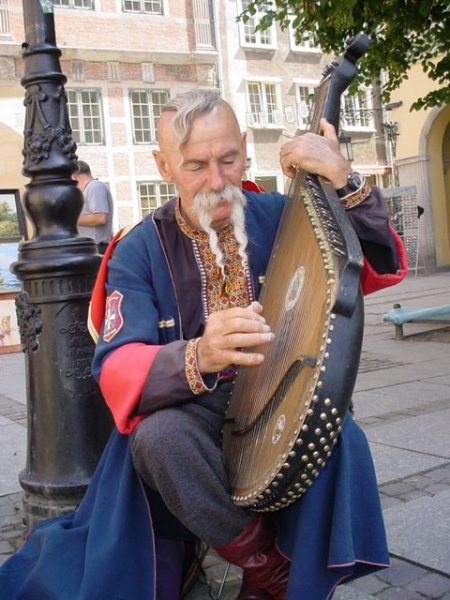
(423, 161)
(124, 59)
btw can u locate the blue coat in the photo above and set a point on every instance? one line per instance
(105, 549)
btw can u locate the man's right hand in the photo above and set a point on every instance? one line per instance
(227, 333)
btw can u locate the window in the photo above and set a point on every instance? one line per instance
(264, 105)
(357, 110)
(203, 23)
(250, 37)
(77, 69)
(146, 108)
(113, 71)
(86, 4)
(305, 93)
(4, 18)
(153, 194)
(151, 7)
(85, 114)
(306, 44)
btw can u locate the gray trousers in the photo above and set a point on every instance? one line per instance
(177, 452)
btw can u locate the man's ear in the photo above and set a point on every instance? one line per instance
(244, 145)
(162, 165)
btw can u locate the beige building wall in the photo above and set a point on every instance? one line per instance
(108, 50)
(164, 46)
(422, 144)
(286, 66)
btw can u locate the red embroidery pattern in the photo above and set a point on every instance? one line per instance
(193, 375)
(218, 292)
(234, 289)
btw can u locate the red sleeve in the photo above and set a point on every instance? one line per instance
(371, 281)
(122, 380)
(98, 297)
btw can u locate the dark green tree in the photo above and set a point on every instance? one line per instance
(403, 33)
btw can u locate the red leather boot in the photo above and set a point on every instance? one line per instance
(249, 592)
(254, 551)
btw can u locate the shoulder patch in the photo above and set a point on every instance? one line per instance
(113, 316)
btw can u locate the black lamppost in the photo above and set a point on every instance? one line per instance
(68, 422)
(390, 128)
(345, 142)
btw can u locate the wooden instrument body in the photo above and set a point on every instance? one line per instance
(284, 416)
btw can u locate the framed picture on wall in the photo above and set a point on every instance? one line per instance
(12, 218)
(8, 254)
(9, 329)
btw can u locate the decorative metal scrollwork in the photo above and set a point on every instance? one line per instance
(30, 325)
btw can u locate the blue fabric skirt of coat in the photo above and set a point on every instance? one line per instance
(106, 548)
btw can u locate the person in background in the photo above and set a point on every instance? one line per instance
(95, 220)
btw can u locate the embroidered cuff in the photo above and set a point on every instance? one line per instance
(193, 375)
(357, 197)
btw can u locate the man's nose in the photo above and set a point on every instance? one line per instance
(216, 178)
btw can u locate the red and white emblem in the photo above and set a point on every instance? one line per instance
(113, 316)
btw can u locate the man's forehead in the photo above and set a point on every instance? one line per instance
(222, 137)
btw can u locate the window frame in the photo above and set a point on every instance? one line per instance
(152, 118)
(142, 10)
(71, 5)
(256, 120)
(5, 25)
(365, 110)
(301, 48)
(158, 184)
(258, 44)
(302, 122)
(81, 117)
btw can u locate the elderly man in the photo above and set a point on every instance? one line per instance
(175, 303)
(179, 289)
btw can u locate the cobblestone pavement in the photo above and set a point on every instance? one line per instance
(402, 402)
(402, 581)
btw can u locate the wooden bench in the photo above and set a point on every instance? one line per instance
(439, 315)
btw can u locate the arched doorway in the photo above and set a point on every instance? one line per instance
(446, 172)
(435, 145)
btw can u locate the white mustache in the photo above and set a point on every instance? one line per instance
(206, 201)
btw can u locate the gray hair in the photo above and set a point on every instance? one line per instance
(190, 105)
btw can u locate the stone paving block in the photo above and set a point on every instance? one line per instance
(12, 456)
(431, 585)
(419, 531)
(388, 501)
(437, 488)
(397, 488)
(442, 474)
(398, 463)
(371, 584)
(402, 374)
(348, 593)
(427, 434)
(400, 573)
(400, 397)
(421, 482)
(399, 594)
(5, 547)
(413, 495)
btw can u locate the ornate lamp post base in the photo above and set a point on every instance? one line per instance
(68, 421)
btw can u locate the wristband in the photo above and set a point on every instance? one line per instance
(355, 198)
